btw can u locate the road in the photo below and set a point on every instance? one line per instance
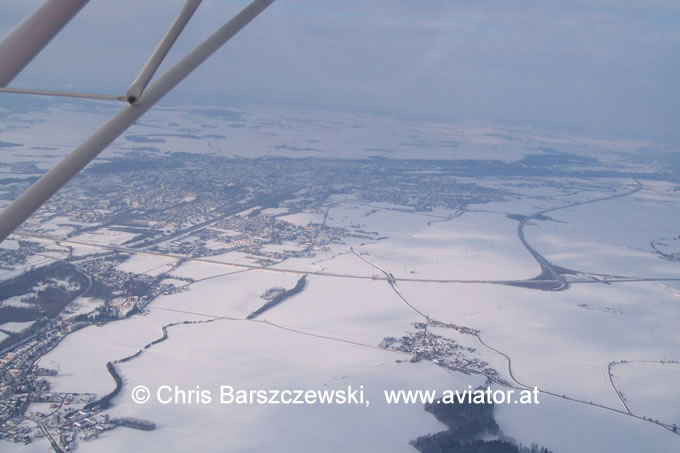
(548, 269)
(118, 248)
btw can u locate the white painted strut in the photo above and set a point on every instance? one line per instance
(161, 50)
(67, 94)
(36, 195)
(23, 43)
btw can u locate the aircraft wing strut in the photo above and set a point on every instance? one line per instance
(140, 99)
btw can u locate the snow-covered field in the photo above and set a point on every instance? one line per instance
(252, 355)
(365, 311)
(567, 427)
(81, 306)
(474, 246)
(554, 342)
(104, 236)
(650, 388)
(16, 327)
(619, 230)
(326, 337)
(395, 267)
(151, 265)
(48, 134)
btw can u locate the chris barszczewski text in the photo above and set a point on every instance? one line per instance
(227, 394)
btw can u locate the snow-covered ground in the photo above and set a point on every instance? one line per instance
(252, 355)
(151, 265)
(46, 135)
(650, 388)
(327, 336)
(474, 246)
(567, 427)
(104, 236)
(16, 327)
(235, 294)
(15, 301)
(620, 230)
(81, 306)
(555, 342)
(356, 310)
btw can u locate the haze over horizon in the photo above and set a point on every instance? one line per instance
(604, 68)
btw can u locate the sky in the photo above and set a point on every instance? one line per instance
(605, 68)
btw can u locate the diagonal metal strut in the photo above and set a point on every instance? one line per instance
(36, 195)
(161, 50)
(22, 44)
(67, 94)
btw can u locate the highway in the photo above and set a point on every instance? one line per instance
(548, 269)
(241, 266)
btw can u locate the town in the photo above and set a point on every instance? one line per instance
(185, 207)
